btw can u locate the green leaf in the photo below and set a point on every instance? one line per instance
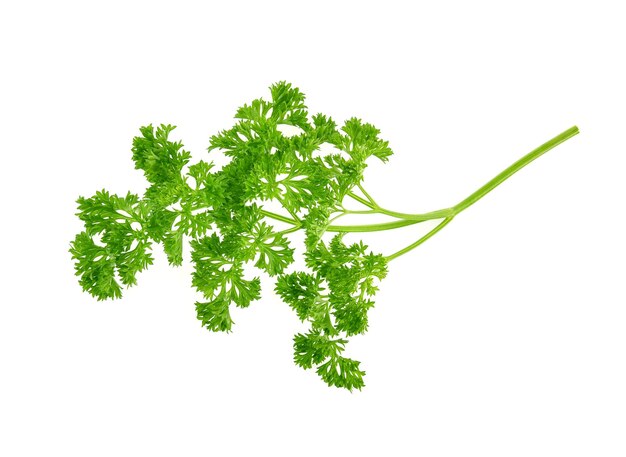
(257, 111)
(313, 348)
(325, 130)
(215, 314)
(239, 140)
(173, 247)
(218, 276)
(273, 248)
(315, 224)
(350, 313)
(300, 291)
(95, 267)
(288, 105)
(361, 141)
(342, 372)
(105, 211)
(132, 261)
(123, 249)
(223, 212)
(201, 173)
(160, 159)
(242, 291)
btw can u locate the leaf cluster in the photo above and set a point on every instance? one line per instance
(233, 238)
(335, 299)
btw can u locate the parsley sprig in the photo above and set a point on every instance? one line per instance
(233, 236)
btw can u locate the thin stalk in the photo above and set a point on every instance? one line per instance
(448, 213)
(411, 217)
(342, 228)
(370, 227)
(366, 211)
(333, 219)
(439, 214)
(293, 215)
(368, 196)
(362, 200)
(412, 246)
(481, 192)
(488, 187)
(279, 217)
(295, 228)
(514, 168)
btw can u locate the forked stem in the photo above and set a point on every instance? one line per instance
(412, 246)
(488, 187)
(447, 214)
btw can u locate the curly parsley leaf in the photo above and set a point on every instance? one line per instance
(114, 247)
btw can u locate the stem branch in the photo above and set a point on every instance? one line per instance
(411, 246)
(370, 227)
(279, 217)
(447, 214)
(368, 196)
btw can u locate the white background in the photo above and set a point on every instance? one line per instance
(504, 335)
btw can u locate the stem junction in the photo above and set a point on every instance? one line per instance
(446, 214)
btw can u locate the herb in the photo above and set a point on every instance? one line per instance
(223, 213)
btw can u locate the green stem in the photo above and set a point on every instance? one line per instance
(370, 227)
(480, 193)
(362, 200)
(514, 168)
(448, 213)
(279, 217)
(293, 215)
(341, 228)
(295, 228)
(366, 211)
(368, 196)
(412, 246)
(411, 217)
(439, 214)
(488, 187)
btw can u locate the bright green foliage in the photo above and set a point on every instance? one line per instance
(219, 212)
(222, 213)
(275, 254)
(317, 349)
(335, 300)
(114, 246)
